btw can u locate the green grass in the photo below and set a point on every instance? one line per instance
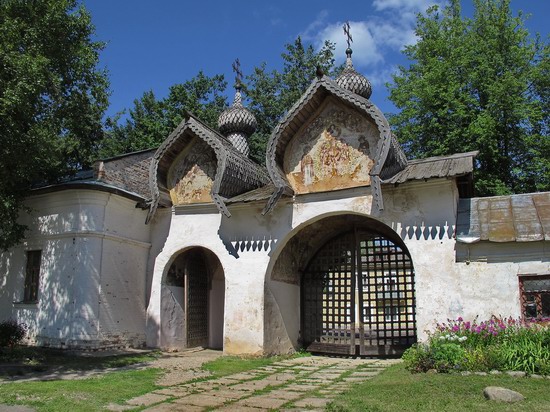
(227, 365)
(23, 360)
(92, 394)
(396, 389)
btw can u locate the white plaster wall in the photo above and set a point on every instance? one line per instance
(422, 214)
(253, 239)
(178, 294)
(242, 243)
(12, 277)
(282, 314)
(263, 316)
(486, 287)
(159, 228)
(90, 242)
(216, 299)
(123, 273)
(65, 312)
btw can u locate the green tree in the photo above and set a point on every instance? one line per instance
(272, 93)
(151, 120)
(477, 83)
(52, 99)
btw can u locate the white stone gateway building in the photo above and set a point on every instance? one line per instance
(341, 246)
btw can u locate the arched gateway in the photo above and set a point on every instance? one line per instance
(193, 301)
(357, 296)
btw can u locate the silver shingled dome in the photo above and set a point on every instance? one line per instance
(237, 123)
(353, 81)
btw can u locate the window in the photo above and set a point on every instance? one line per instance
(535, 296)
(32, 276)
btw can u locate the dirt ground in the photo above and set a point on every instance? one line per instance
(179, 367)
(183, 366)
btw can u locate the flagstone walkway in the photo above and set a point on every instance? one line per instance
(307, 383)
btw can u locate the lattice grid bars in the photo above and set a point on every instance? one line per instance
(358, 293)
(386, 295)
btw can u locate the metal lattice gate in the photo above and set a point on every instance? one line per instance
(358, 297)
(196, 300)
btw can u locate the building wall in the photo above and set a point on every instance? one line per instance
(92, 275)
(262, 309)
(99, 261)
(423, 214)
(242, 244)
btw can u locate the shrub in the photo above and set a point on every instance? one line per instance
(418, 358)
(11, 332)
(498, 343)
(448, 356)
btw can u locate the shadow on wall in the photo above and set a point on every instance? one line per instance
(421, 230)
(12, 277)
(248, 231)
(236, 245)
(70, 311)
(67, 311)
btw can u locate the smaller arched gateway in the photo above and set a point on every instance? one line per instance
(193, 301)
(357, 296)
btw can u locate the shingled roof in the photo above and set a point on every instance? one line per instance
(389, 158)
(459, 164)
(126, 175)
(235, 173)
(515, 218)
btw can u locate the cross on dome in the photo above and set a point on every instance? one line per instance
(237, 123)
(350, 79)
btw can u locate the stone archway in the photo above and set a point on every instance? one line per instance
(192, 301)
(347, 301)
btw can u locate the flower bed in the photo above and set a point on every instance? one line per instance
(496, 344)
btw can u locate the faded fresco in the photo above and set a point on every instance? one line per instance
(335, 151)
(192, 175)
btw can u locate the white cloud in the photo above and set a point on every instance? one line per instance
(374, 37)
(380, 77)
(311, 33)
(365, 48)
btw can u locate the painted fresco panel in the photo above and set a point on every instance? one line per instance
(335, 151)
(192, 175)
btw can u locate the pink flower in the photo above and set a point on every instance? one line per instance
(455, 328)
(460, 319)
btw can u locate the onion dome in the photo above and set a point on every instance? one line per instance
(237, 123)
(355, 82)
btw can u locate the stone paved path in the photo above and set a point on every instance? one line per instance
(307, 383)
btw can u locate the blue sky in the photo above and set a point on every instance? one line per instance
(152, 45)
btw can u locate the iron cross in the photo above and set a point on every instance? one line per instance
(237, 69)
(349, 39)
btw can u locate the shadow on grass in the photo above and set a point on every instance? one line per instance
(23, 360)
